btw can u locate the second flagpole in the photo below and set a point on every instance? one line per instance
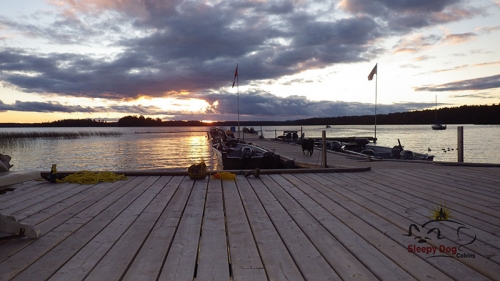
(370, 77)
(238, 91)
(376, 82)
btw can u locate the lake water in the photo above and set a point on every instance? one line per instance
(179, 147)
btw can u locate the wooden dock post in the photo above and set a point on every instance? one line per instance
(323, 135)
(460, 144)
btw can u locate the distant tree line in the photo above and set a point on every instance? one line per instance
(141, 121)
(466, 114)
(481, 114)
(74, 123)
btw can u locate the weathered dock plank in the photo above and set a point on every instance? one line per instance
(94, 238)
(392, 212)
(53, 216)
(374, 229)
(180, 263)
(324, 241)
(308, 259)
(278, 263)
(288, 226)
(375, 261)
(42, 192)
(75, 227)
(149, 260)
(100, 259)
(213, 260)
(434, 195)
(246, 263)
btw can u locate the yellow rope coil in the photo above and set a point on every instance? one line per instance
(86, 177)
(224, 176)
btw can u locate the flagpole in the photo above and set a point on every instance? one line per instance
(238, 91)
(370, 77)
(376, 82)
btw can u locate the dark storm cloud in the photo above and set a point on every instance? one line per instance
(166, 47)
(253, 106)
(379, 7)
(64, 108)
(406, 15)
(46, 107)
(64, 31)
(483, 83)
(265, 106)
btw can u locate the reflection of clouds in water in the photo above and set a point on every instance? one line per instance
(163, 150)
(130, 151)
(168, 150)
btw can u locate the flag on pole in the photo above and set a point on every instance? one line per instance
(235, 75)
(374, 71)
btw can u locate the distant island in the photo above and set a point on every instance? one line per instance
(466, 114)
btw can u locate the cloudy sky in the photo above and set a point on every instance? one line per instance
(176, 60)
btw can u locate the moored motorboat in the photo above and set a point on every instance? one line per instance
(233, 154)
(363, 147)
(396, 152)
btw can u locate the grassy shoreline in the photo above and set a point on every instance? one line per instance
(10, 138)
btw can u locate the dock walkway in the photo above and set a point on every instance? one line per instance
(334, 226)
(303, 226)
(293, 151)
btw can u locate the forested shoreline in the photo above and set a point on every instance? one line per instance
(466, 114)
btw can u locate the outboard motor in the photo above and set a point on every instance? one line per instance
(246, 152)
(335, 146)
(407, 154)
(396, 151)
(246, 157)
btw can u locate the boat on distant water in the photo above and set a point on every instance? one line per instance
(438, 124)
(233, 154)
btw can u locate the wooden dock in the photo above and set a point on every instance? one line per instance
(293, 152)
(304, 226)
(308, 224)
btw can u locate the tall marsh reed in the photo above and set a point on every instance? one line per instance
(16, 138)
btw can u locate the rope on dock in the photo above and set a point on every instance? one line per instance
(224, 176)
(86, 177)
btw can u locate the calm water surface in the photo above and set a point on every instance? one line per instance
(135, 149)
(481, 142)
(179, 147)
